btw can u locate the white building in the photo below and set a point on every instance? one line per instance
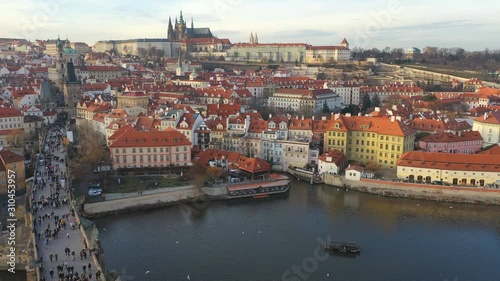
(349, 92)
(489, 127)
(354, 172)
(328, 54)
(300, 99)
(332, 162)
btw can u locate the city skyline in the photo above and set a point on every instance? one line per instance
(364, 23)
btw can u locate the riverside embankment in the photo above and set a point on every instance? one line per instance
(147, 200)
(165, 197)
(480, 196)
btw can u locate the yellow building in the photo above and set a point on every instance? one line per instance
(366, 139)
(11, 163)
(455, 169)
(133, 99)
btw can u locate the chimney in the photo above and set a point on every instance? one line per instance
(377, 109)
(337, 116)
(393, 119)
(486, 116)
(348, 115)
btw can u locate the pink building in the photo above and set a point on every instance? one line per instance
(470, 142)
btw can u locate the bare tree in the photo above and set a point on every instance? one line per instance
(92, 145)
(16, 139)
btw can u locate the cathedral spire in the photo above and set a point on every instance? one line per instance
(251, 38)
(256, 38)
(192, 23)
(170, 32)
(182, 18)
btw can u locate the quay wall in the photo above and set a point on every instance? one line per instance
(426, 192)
(141, 202)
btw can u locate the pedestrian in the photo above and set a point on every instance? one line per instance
(73, 255)
(51, 256)
(51, 272)
(55, 256)
(90, 266)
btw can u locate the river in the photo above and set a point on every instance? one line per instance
(277, 239)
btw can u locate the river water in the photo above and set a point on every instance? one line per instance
(279, 239)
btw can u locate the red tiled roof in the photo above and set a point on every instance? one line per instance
(132, 138)
(490, 118)
(337, 157)
(383, 126)
(449, 161)
(8, 156)
(449, 137)
(9, 112)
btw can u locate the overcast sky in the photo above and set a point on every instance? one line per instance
(365, 23)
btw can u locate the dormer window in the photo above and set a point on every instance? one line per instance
(337, 126)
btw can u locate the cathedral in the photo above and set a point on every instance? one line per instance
(181, 31)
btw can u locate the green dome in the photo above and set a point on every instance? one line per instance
(69, 51)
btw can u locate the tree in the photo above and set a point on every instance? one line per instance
(321, 76)
(16, 139)
(198, 172)
(92, 145)
(373, 166)
(366, 102)
(326, 109)
(430, 98)
(352, 109)
(375, 101)
(142, 52)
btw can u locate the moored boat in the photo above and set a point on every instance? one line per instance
(274, 184)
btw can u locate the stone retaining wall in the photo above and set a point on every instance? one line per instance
(144, 202)
(427, 192)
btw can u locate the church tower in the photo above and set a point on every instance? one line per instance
(180, 70)
(181, 28)
(256, 39)
(344, 43)
(251, 39)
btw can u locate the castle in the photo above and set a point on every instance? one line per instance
(182, 32)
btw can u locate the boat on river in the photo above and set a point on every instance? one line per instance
(343, 247)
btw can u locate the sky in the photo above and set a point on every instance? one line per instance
(365, 23)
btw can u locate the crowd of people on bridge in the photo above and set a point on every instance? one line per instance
(52, 215)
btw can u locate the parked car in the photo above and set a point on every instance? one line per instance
(95, 192)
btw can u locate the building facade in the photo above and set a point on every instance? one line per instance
(276, 52)
(370, 139)
(304, 99)
(473, 170)
(132, 149)
(10, 161)
(463, 142)
(489, 127)
(328, 54)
